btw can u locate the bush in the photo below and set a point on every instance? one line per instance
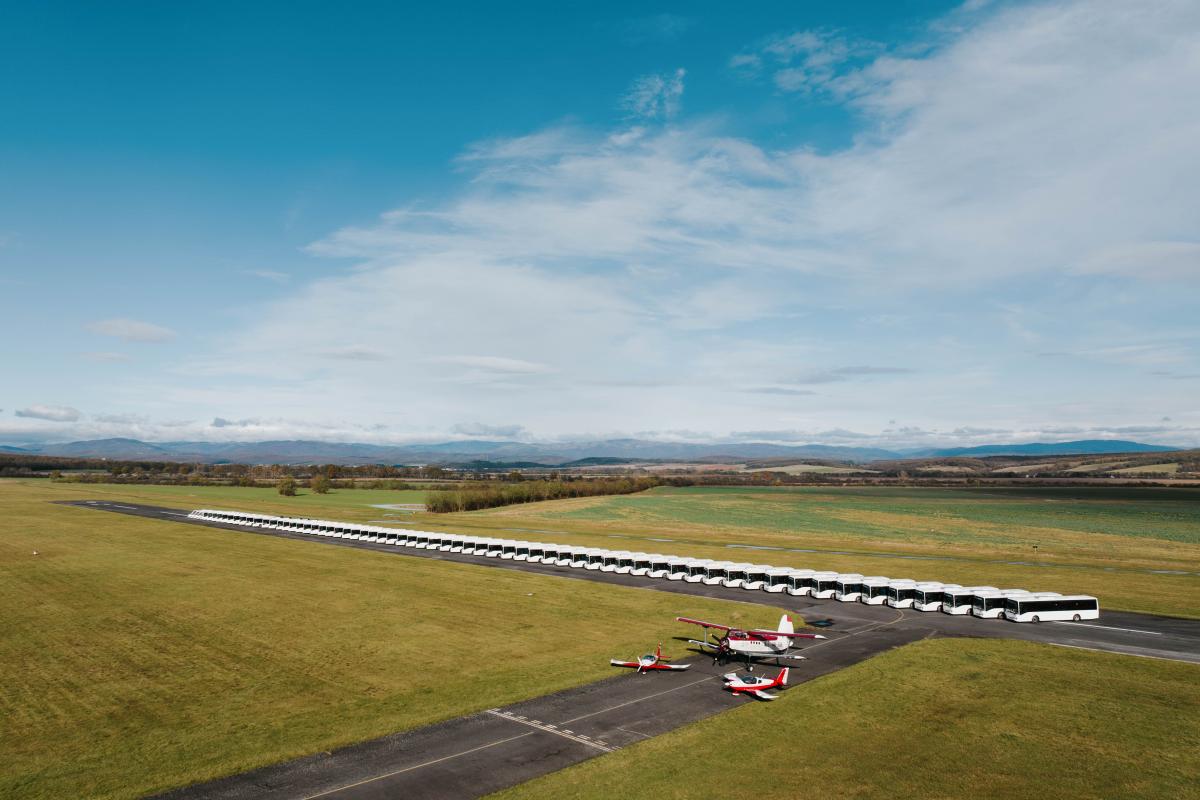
(320, 484)
(287, 486)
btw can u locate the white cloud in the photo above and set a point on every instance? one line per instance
(353, 352)
(122, 419)
(655, 96)
(49, 413)
(839, 374)
(132, 330)
(807, 61)
(1150, 259)
(492, 431)
(270, 275)
(508, 366)
(107, 357)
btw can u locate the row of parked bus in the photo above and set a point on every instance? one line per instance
(1017, 605)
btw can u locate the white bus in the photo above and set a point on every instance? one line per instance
(801, 582)
(756, 577)
(824, 585)
(849, 586)
(643, 563)
(930, 593)
(778, 579)
(874, 590)
(959, 601)
(735, 575)
(716, 572)
(660, 566)
(1073, 607)
(679, 568)
(901, 593)
(990, 605)
(612, 560)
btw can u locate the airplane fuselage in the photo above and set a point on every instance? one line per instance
(744, 644)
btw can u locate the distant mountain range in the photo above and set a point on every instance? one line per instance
(559, 453)
(1083, 447)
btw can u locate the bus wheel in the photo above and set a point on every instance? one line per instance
(1035, 619)
(1075, 618)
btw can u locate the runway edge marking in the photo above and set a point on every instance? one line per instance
(422, 765)
(548, 728)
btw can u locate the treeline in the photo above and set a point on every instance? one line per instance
(479, 496)
(99, 470)
(204, 479)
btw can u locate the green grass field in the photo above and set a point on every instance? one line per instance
(937, 719)
(137, 654)
(1136, 549)
(1127, 546)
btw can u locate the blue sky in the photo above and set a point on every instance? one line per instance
(890, 223)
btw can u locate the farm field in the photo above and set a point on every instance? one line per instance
(356, 505)
(1135, 548)
(139, 655)
(940, 718)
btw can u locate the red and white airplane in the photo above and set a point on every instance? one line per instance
(648, 662)
(745, 683)
(749, 644)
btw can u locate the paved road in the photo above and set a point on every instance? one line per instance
(474, 755)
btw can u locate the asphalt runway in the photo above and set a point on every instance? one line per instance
(472, 756)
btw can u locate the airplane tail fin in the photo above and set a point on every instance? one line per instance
(658, 651)
(783, 677)
(785, 624)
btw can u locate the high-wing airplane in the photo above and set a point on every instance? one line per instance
(648, 662)
(750, 644)
(744, 683)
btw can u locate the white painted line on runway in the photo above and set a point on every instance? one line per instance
(639, 700)
(1110, 628)
(328, 792)
(548, 728)
(1121, 652)
(128, 508)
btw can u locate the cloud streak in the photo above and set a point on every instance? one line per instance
(132, 330)
(49, 413)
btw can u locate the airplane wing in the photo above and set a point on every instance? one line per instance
(617, 663)
(709, 645)
(761, 695)
(792, 635)
(795, 657)
(661, 665)
(703, 623)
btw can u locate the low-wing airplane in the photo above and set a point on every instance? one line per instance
(744, 683)
(648, 662)
(750, 644)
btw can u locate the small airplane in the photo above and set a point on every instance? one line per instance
(745, 683)
(648, 662)
(750, 644)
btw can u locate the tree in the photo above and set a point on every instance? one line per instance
(320, 484)
(287, 486)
